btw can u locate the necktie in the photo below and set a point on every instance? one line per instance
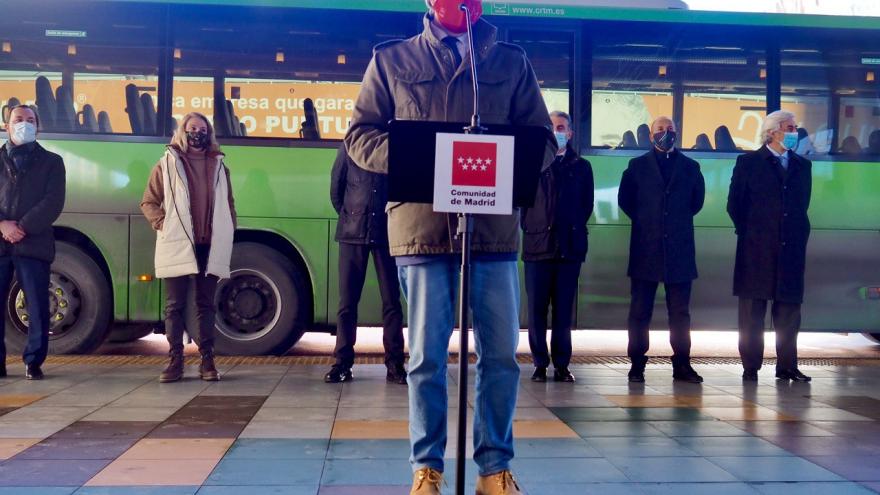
(452, 43)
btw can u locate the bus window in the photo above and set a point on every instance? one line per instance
(630, 89)
(550, 53)
(724, 99)
(272, 73)
(831, 85)
(84, 75)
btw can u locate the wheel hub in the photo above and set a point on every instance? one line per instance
(247, 305)
(64, 304)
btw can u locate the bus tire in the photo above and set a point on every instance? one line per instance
(80, 305)
(873, 337)
(262, 308)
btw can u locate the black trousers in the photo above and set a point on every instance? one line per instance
(551, 282)
(176, 293)
(353, 259)
(641, 309)
(33, 277)
(786, 323)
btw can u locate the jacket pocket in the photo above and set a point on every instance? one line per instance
(413, 91)
(352, 225)
(494, 96)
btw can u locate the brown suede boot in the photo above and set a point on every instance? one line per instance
(207, 370)
(174, 371)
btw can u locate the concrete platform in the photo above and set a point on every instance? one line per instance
(104, 425)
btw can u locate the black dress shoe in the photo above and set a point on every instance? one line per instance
(685, 373)
(794, 375)
(396, 374)
(3, 370)
(636, 375)
(33, 372)
(750, 375)
(563, 375)
(338, 374)
(540, 375)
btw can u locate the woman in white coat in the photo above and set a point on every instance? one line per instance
(188, 201)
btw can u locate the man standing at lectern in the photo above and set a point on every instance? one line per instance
(427, 77)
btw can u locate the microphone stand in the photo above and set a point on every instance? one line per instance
(465, 230)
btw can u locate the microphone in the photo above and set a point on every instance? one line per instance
(475, 127)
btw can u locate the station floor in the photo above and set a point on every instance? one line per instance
(104, 425)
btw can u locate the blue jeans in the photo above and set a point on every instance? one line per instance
(33, 276)
(431, 292)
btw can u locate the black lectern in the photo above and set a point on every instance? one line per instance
(411, 165)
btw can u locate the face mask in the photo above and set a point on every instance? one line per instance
(24, 133)
(561, 139)
(452, 18)
(198, 139)
(664, 141)
(790, 141)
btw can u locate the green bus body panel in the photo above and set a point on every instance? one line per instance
(286, 191)
(282, 190)
(558, 11)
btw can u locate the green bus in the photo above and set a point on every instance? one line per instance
(110, 79)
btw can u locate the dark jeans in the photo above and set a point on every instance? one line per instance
(641, 309)
(786, 323)
(176, 292)
(549, 282)
(353, 260)
(33, 276)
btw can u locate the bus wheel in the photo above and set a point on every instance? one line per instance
(80, 305)
(874, 337)
(262, 308)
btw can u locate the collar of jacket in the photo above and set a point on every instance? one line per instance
(793, 158)
(37, 151)
(37, 147)
(570, 155)
(485, 35)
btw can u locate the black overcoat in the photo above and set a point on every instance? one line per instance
(34, 197)
(359, 197)
(661, 246)
(768, 206)
(555, 227)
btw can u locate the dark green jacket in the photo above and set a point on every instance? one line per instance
(34, 197)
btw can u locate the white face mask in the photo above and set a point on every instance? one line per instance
(23, 133)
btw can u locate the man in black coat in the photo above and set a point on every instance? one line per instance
(768, 202)
(661, 191)
(359, 197)
(32, 183)
(554, 247)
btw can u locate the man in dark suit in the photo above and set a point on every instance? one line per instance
(768, 202)
(661, 191)
(359, 197)
(554, 248)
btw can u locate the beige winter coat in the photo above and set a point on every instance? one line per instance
(175, 247)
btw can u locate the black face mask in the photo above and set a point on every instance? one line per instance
(664, 141)
(198, 139)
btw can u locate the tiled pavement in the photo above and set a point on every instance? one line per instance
(92, 429)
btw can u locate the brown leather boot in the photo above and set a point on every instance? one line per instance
(174, 371)
(207, 370)
(426, 481)
(502, 483)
